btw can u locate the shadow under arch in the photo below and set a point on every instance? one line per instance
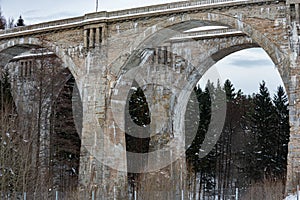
(167, 29)
(197, 73)
(58, 107)
(15, 47)
(137, 132)
(218, 56)
(65, 136)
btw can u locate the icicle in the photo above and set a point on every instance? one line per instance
(135, 26)
(115, 193)
(145, 55)
(118, 28)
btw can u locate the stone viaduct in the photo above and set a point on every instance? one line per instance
(163, 49)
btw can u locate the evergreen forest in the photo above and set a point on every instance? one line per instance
(251, 150)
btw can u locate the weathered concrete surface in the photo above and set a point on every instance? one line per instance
(100, 49)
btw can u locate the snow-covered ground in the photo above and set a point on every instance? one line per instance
(291, 197)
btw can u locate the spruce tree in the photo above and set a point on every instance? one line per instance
(229, 89)
(283, 130)
(2, 21)
(192, 153)
(262, 155)
(207, 165)
(224, 160)
(5, 89)
(137, 128)
(140, 115)
(203, 167)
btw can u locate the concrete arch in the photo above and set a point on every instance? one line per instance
(167, 28)
(65, 69)
(159, 33)
(17, 46)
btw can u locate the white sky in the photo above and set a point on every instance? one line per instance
(246, 69)
(34, 11)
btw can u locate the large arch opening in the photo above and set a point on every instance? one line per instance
(137, 135)
(8, 138)
(65, 139)
(45, 93)
(175, 46)
(251, 152)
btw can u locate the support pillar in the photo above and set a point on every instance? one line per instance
(86, 38)
(163, 177)
(92, 38)
(98, 37)
(101, 138)
(297, 12)
(293, 167)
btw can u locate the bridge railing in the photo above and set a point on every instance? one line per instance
(61, 22)
(161, 7)
(174, 5)
(167, 6)
(114, 14)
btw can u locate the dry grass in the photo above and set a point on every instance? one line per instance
(265, 190)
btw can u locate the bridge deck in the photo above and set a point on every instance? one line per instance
(104, 16)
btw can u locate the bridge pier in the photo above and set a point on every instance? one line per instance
(103, 149)
(97, 47)
(293, 160)
(35, 98)
(166, 180)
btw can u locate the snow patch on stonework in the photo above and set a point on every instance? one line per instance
(205, 28)
(291, 197)
(154, 28)
(27, 55)
(172, 19)
(206, 35)
(21, 40)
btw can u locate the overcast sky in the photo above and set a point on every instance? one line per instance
(246, 69)
(34, 11)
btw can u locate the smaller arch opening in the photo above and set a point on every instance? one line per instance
(65, 142)
(45, 94)
(138, 108)
(252, 148)
(137, 135)
(11, 140)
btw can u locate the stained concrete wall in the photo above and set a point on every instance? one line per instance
(102, 48)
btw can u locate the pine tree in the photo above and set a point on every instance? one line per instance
(2, 21)
(253, 143)
(140, 115)
(224, 158)
(192, 125)
(262, 155)
(207, 165)
(283, 129)
(20, 21)
(229, 89)
(192, 153)
(5, 89)
(137, 129)
(9, 139)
